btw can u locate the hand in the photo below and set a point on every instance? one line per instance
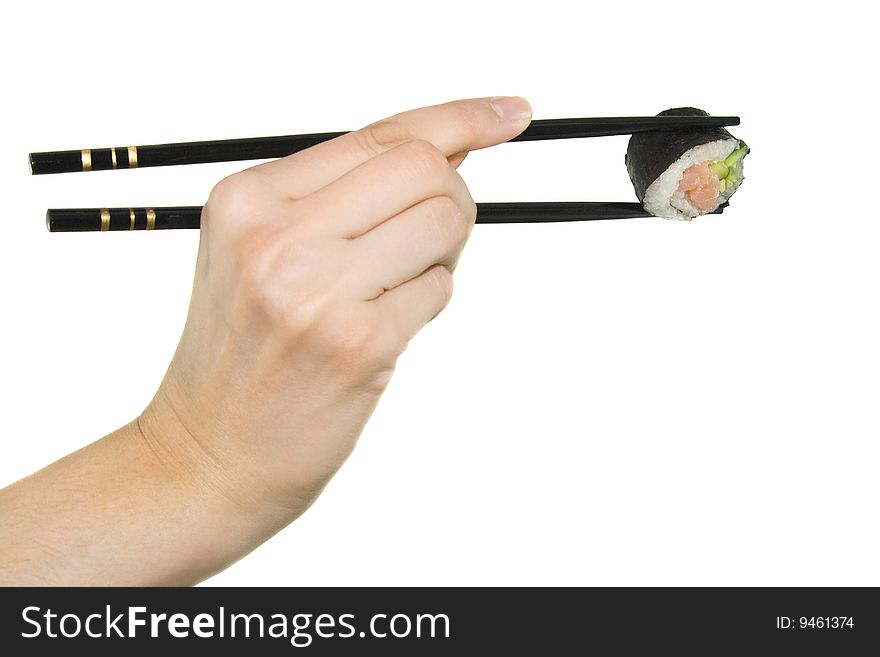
(313, 273)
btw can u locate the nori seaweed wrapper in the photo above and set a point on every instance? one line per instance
(650, 153)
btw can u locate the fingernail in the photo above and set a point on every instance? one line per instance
(512, 108)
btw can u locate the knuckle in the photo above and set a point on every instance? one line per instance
(253, 272)
(380, 379)
(427, 158)
(231, 195)
(351, 345)
(256, 280)
(305, 315)
(470, 206)
(449, 223)
(470, 212)
(279, 287)
(253, 257)
(379, 137)
(296, 317)
(466, 204)
(346, 340)
(472, 118)
(276, 284)
(441, 281)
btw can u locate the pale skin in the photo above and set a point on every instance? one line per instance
(313, 274)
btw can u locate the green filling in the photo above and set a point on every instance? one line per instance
(719, 169)
(729, 171)
(737, 155)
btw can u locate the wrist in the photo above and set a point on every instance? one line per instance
(228, 491)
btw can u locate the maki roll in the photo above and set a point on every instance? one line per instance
(687, 172)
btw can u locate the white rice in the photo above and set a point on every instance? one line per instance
(662, 197)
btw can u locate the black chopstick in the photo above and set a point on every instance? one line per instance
(169, 218)
(70, 220)
(259, 148)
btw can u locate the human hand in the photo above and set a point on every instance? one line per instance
(313, 273)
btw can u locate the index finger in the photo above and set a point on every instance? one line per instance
(454, 128)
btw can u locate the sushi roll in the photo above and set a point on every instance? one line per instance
(685, 173)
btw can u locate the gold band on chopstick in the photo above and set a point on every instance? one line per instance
(131, 218)
(151, 218)
(113, 157)
(86, 156)
(105, 219)
(132, 157)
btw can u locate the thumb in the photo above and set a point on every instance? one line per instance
(455, 127)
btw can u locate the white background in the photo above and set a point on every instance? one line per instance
(622, 403)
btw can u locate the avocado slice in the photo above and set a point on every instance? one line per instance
(720, 169)
(737, 155)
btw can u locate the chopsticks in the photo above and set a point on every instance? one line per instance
(182, 217)
(228, 150)
(258, 148)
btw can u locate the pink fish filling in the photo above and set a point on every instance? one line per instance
(701, 186)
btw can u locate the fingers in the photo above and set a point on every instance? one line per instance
(454, 128)
(432, 232)
(408, 307)
(380, 188)
(462, 125)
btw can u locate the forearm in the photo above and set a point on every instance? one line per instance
(142, 506)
